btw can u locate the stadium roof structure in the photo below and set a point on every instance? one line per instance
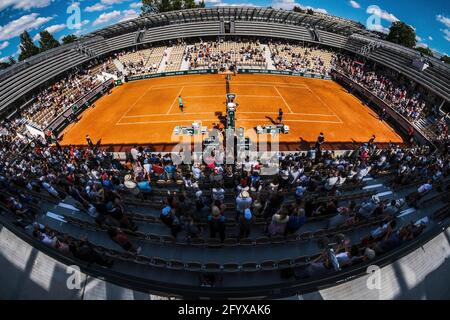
(317, 20)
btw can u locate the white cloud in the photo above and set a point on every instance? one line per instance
(446, 34)
(136, 5)
(104, 5)
(4, 45)
(383, 14)
(37, 37)
(24, 4)
(418, 38)
(129, 14)
(55, 28)
(111, 2)
(444, 20)
(4, 59)
(430, 38)
(27, 22)
(95, 7)
(422, 45)
(81, 24)
(221, 4)
(289, 4)
(378, 27)
(354, 4)
(107, 17)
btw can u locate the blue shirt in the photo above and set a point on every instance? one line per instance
(169, 169)
(144, 186)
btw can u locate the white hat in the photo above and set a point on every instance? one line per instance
(244, 194)
(130, 184)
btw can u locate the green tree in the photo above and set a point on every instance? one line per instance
(177, 4)
(149, 6)
(425, 51)
(156, 6)
(165, 5)
(446, 59)
(298, 9)
(189, 4)
(403, 34)
(47, 41)
(27, 46)
(69, 39)
(10, 62)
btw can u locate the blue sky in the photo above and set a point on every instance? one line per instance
(430, 18)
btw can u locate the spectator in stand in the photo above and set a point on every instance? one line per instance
(121, 238)
(216, 223)
(277, 226)
(245, 222)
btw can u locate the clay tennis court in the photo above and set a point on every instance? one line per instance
(146, 112)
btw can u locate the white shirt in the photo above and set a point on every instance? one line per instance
(331, 181)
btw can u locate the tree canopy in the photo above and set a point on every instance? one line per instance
(69, 39)
(425, 51)
(47, 41)
(6, 64)
(403, 34)
(27, 46)
(157, 6)
(446, 59)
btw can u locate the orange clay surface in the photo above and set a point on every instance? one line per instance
(146, 112)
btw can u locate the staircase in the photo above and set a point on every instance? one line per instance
(119, 66)
(268, 56)
(162, 65)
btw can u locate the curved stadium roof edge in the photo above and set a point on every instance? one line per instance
(325, 21)
(330, 31)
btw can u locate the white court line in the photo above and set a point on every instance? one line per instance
(195, 113)
(209, 84)
(176, 97)
(282, 98)
(132, 106)
(215, 120)
(325, 104)
(222, 96)
(168, 86)
(312, 121)
(165, 114)
(163, 121)
(294, 113)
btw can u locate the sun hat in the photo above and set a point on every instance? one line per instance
(130, 184)
(244, 194)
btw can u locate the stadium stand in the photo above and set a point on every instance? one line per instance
(224, 225)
